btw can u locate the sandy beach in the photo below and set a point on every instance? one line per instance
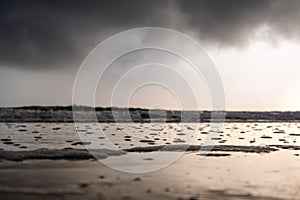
(238, 176)
(246, 161)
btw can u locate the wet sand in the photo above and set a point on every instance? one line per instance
(238, 176)
(244, 161)
(32, 136)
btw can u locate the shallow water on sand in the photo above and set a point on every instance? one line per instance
(32, 136)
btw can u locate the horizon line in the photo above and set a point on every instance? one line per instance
(135, 108)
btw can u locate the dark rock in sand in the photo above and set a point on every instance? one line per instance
(8, 143)
(137, 179)
(148, 159)
(216, 138)
(101, 177)
(81, 143)
(146, 141)
(57, 154)
(266, 137)
(6, 140)
(294, 134)
(215, 154)
(290, 147)
(178, 140)
(228, 148)
(83, 185)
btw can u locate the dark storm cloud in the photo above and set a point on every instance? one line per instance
(52, 34)
(41, 34)
(234, 22)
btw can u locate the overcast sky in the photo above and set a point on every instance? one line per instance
(253, 43)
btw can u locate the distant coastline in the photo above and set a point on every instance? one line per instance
(105, 114)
